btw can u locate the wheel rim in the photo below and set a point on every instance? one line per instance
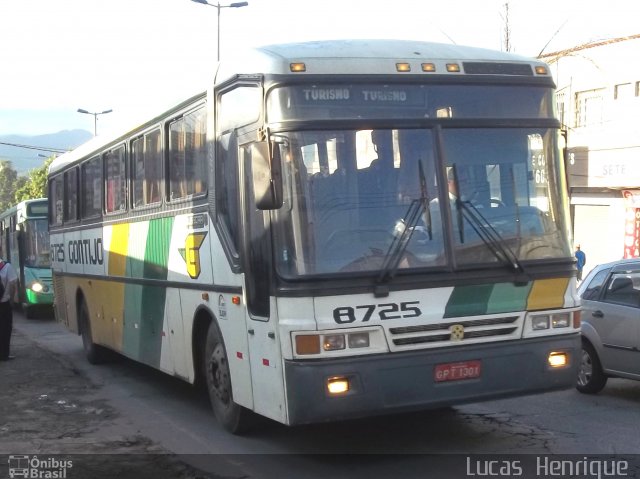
(218, 372)
(585, 373)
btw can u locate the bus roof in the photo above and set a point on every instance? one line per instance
(342, 57)
(99, 142)
(20, 206)
(361, 57)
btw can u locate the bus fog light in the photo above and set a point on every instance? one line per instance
(540, 322)
(558, 359)
(333, 342)
(562, 320)
(358, 340)
(308, 344)
(338, 385)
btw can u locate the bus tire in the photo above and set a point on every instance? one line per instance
(29, 311)
(233, 417)
(95, 354)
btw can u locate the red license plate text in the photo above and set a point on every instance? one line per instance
(457, 371)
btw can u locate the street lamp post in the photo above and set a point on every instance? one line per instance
(219, 7)
(95, 118)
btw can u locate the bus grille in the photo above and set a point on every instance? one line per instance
(441, 334)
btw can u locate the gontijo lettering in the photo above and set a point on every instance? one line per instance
(85, 251)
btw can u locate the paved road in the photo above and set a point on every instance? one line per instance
(164, 414)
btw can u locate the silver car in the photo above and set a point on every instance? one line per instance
(610, 324)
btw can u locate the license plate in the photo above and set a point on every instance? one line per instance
(457, 371)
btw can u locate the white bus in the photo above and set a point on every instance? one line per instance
(283, 238)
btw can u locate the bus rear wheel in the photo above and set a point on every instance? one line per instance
(95, 354)
(233, 417)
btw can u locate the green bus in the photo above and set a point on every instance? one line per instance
(24, 242)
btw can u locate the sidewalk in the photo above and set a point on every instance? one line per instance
(49, 409)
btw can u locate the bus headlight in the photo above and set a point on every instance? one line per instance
(552, 322)
(560, 320)
(358, 340)
(540, 322)
(343, 342)
(37, 287)
(333, 342)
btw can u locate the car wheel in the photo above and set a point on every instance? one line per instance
(591, 378)
(233, 417)
(95, 354)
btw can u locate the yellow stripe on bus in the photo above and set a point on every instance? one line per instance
(118, 250)
(113, 292)
(547, 294)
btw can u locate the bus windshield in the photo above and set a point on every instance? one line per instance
(350, 193)
(36, 244)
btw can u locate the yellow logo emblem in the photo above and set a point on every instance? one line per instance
(457, 332)
(191, 253)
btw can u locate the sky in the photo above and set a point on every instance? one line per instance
(139, 57)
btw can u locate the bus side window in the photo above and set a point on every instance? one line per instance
(56, 197)
(91, 187)
(146, 165)
(115, 200)
(188, 155)
(71, 196)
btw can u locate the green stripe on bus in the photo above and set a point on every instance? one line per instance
(156, 259)
(144, 305)
(487, 299)
(508, 297)
(468, 300)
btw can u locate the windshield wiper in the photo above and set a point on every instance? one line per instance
(402, 235)
(484, 229)
(489, 235)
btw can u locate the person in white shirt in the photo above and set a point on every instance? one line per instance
(8, 278)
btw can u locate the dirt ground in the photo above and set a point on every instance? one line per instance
(49, 410)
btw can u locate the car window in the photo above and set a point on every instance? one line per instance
(595, 285)
(623, 288)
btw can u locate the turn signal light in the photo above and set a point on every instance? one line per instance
(308, 344)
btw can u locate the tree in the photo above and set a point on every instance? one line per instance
(35, 186)
(8, 177)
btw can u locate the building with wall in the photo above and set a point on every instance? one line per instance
(598, 100)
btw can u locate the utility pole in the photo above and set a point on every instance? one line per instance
(507, 28)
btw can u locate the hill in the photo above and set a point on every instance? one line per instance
(25, 159)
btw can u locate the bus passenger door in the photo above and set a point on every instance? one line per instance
(264, 350)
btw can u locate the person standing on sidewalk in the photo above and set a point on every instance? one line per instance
(8, 280)
(581, 260)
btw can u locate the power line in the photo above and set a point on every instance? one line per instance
(31, 147)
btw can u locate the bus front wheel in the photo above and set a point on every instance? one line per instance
(233, 417)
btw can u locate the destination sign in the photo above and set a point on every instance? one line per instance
(357, 95)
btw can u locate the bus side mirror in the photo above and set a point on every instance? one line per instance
(267, 178)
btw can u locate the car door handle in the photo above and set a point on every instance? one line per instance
(597, 314)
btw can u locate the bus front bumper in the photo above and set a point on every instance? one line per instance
(402, 382)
